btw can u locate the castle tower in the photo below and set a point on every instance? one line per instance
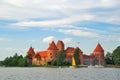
(99, 54)
(52, 51)
(60, 45)
(30, 54)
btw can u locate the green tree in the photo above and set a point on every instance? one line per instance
(91, 54)
(59, 60)
(116, 55)
(109, 58)
(22, 62)
(15, 60)
(76, 56)
(54, 62)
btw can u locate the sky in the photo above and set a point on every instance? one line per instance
(25, 23)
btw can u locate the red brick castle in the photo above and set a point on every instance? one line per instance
(43, 57)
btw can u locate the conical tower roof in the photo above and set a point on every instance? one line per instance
(52, 46)
(98, 48)
(31, 51)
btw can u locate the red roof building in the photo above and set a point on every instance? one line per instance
(43, 54)
(51, 53)
(52, 46)
(60, 45)
(99, 54)
(98, 48)
(31, 51)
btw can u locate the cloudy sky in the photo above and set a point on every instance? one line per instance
(25, 23)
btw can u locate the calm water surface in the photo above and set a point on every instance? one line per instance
(59, 74)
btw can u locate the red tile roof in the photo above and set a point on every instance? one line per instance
(43, 54)
(52, 46)
(31, 50)
(70, 50)
(98, 48)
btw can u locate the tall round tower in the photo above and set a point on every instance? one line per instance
(99, 54)
(52, 51)
(60, 45)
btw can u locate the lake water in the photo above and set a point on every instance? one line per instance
(59, 73)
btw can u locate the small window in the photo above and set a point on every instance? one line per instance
(51, 56)
(50, 53)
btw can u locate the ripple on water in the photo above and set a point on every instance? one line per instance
(59, 74)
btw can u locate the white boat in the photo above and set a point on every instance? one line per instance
(90, 66)
(96, 66)
(99, 66)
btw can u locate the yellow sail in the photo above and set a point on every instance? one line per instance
(73, 62)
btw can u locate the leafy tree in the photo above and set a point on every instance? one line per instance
(22, 62)
(54, 62)
(15, 60)
(66, 63)
(116, 55)
(60, 58)
(91, 54)
(109, 58)
(76, 56)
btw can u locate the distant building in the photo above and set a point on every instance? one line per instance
(99, 54)
(43, 57)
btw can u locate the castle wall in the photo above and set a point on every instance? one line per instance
(81, 58)
(99, 57)
(51, 54)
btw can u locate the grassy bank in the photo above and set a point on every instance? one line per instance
(112, 66)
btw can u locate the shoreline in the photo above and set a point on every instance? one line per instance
(80, 66)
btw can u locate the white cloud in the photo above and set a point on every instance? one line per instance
(67, 40)
(55, 23)
(108, 38)
(25, 10)
(79, 33)
(48, 39)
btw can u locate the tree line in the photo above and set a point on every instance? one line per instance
(15, 60)
(114, 57)
(20, 61)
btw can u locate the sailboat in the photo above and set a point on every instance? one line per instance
(73, 63)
